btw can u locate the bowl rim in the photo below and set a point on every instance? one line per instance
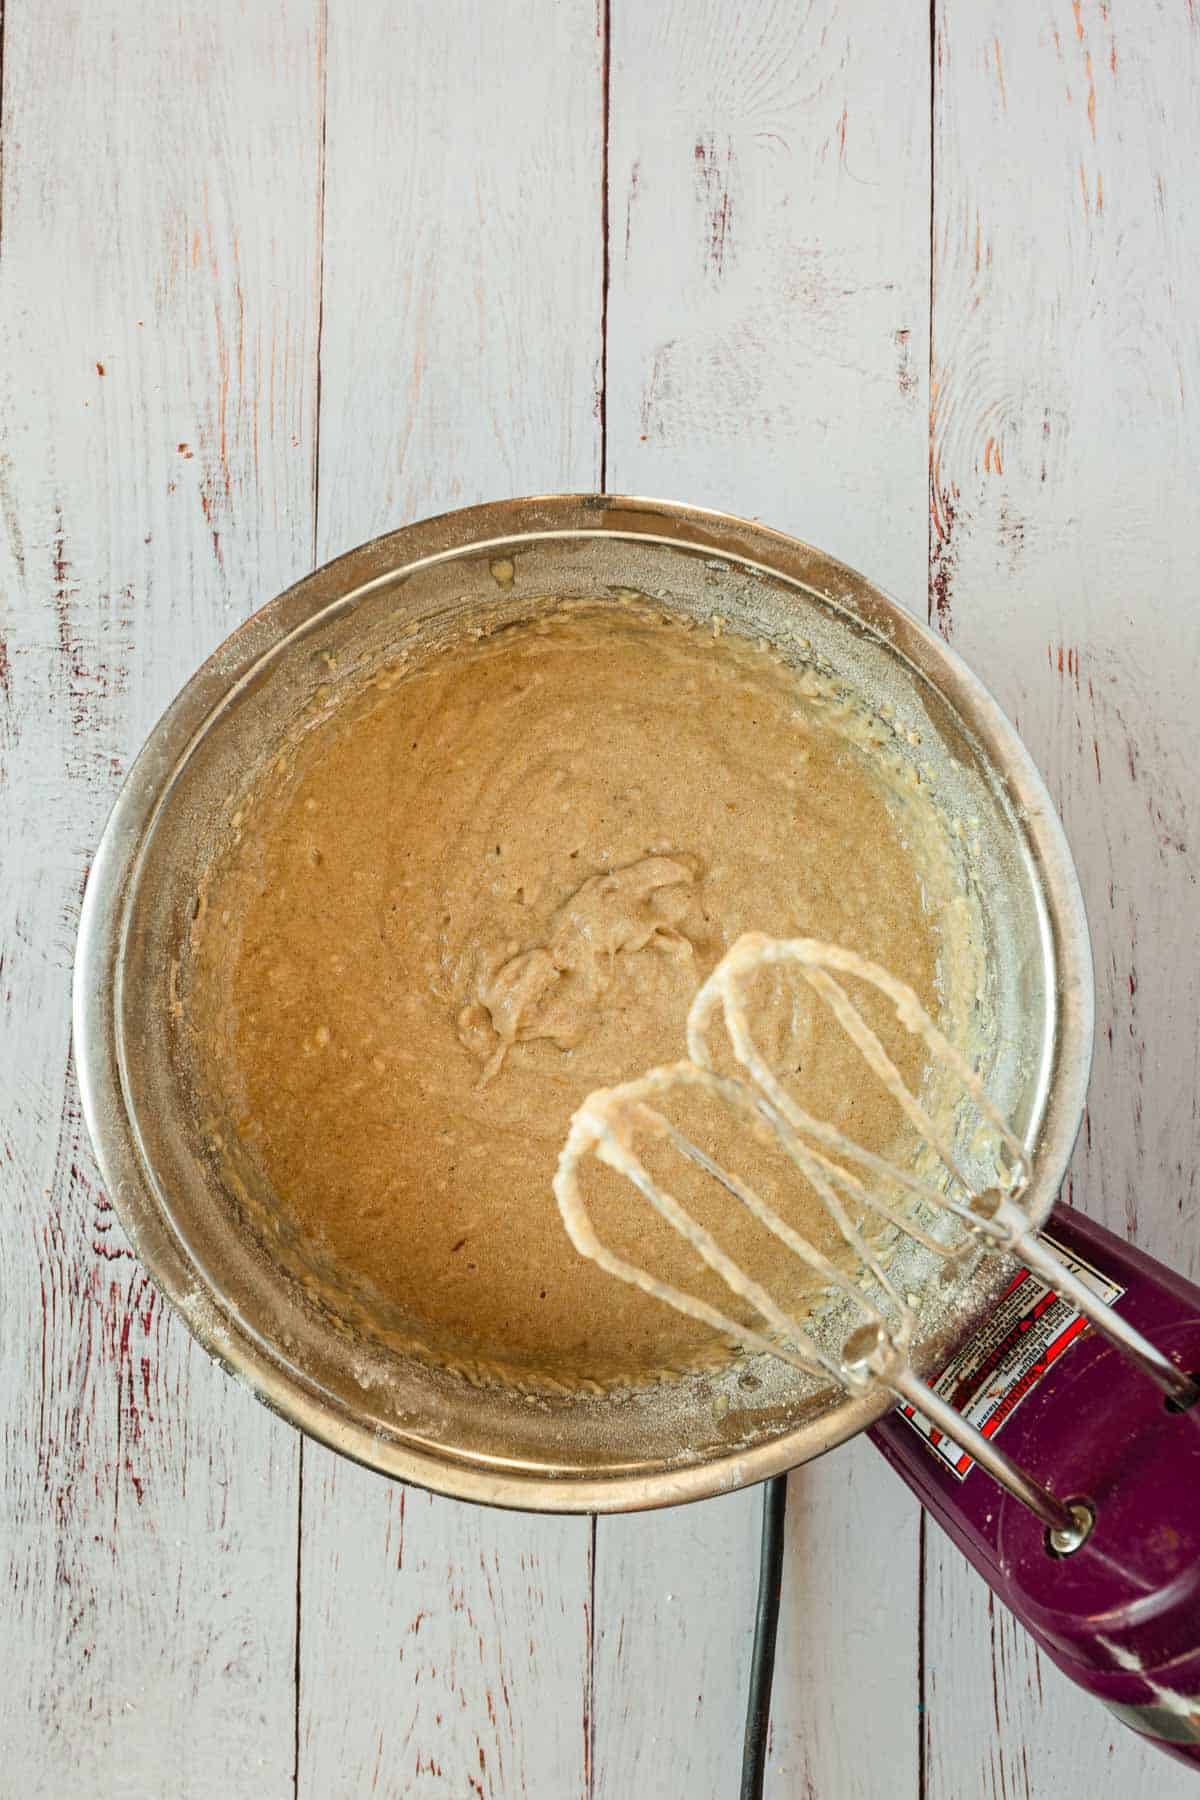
(265, 634)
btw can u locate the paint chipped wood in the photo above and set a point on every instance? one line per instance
(148, 1506)
(1065, 421)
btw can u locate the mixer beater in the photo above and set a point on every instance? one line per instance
(1117, 1481)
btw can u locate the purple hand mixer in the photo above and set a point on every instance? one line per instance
(1085, 1519)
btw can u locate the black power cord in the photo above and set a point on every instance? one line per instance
(766, 1629)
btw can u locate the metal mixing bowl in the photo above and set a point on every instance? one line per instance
(330, 1373)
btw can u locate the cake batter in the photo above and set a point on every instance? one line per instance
(478, 893)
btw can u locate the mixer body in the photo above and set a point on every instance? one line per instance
(1121, 1615)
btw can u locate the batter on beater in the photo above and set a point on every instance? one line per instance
(474, 895)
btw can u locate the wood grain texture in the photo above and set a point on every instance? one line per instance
(460, 345)
(768, 354)
(846, 1721)
(445, 1650)
(157, 308)
(1065, 438)
(444, 1647)
(674, 1593)
(769, 308)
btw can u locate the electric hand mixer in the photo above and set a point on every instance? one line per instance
(1089, 1529)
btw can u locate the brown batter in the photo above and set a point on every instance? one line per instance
(478, 895)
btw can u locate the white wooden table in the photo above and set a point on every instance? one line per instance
(277, 275)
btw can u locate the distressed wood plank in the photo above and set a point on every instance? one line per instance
(444, 1647)
(157, 305)
(460, 349)
(847, 1718)
(674, 1597)
(459, 361)
(1066, 434)
(768, 320)
(768, 353)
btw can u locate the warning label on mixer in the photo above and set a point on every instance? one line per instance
(989, 1377)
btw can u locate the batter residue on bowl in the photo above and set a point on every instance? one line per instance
(475, 895)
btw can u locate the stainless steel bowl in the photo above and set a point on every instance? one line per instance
(330, 1373)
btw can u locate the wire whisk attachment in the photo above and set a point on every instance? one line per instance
(869, 1200)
